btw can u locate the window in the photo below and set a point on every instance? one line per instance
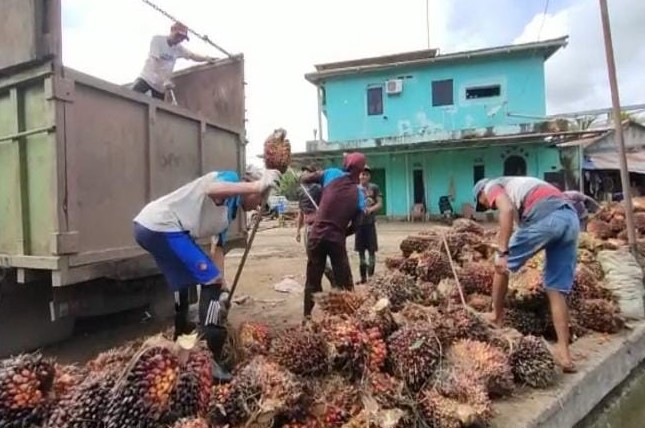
(375, 101)
(442, 93)
(515, 166)
(478, 173)
(489, 91)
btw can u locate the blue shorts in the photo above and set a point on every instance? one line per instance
(178, 256)
(557, 234)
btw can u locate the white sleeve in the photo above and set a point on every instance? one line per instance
(184, 52)
(155, 48)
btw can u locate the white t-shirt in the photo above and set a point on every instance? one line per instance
(188, 208)
(161, 61)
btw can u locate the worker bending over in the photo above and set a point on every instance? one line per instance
(168, 228)
(163, 54)
(546, 221)
(308, 201)
(341, 205)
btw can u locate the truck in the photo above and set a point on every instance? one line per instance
(79, 157)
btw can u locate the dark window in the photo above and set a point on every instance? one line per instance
(478, 173)
(483, 92)
(442, 93)
(375, 101)
(418, 188)
(515, 166)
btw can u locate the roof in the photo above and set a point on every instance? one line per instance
(427, 57)
(598, 134)
(549, 139)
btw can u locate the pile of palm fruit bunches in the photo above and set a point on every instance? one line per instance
(401, 351)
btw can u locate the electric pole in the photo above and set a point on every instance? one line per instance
(618, 133)
(428, 21)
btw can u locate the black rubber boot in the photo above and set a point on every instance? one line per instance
(216, 339)
(363, 270)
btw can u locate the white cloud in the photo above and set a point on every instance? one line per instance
(576, 77)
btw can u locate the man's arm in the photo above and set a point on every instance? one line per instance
(217, 254)
(506, 218)
(185, 53)
(379, 201)
(312, 177)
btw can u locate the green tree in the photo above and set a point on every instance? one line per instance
(289, 186)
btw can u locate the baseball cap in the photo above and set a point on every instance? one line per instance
(479, 187)
(354, 162)
(180, 28)
(367, 169)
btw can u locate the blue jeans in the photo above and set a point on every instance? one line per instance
(557, 234)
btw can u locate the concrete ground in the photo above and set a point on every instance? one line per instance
(604, 361)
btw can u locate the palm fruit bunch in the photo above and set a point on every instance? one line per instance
(235, 402)
(66, 378)
(336, 401)
(385, 389)
(301, 350)
(588, 259)
(599, 229)
(448, 291)
(409, 265)
(308, 422)
(25, 382)
(254, 338)
(146, 387)
(113, 359)
(341, 302)
(282, 395)
(484, 363)
(277, 151)
(458, 241)
(433, 266)
(376, 314)
(191, 423)
(617, 224)
(347, 351)
(394, 262)
(525, 289)
(599, 315)
(464, 225)
(430, 295)
(456, 401)
(414, 312)
(414, 352)
(480, 302)
(477, 278)
(532, 362)
(418, 244)
(84, 406)
(378, 418)
(586, 287)
(397, 287)
(192, 394)
(458, 322)
(529, 322)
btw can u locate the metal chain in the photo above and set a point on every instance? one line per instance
(190, 30)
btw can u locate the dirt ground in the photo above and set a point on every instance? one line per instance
(275, 255)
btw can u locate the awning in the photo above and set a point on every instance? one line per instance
(609, 160)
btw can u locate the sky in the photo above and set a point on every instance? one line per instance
(283, 39)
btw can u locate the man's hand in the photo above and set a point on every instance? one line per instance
(211, 59)
(269, 179)
(501, 264)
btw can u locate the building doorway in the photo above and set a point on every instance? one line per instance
(514, 166)
(419, 188)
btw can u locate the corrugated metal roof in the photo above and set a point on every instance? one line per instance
(546, 48)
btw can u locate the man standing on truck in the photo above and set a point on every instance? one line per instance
(307, 206)
(546, 221)
(341, 205)
(168, 228)
(365, 240)
(164, 52)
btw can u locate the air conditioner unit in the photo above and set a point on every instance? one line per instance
(394, 86)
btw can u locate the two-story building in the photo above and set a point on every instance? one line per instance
(431, 125)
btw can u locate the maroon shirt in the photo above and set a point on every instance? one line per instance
(341, 204)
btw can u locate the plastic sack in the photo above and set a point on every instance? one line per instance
(624, 277)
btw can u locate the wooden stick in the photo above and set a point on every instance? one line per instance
(454, 271)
